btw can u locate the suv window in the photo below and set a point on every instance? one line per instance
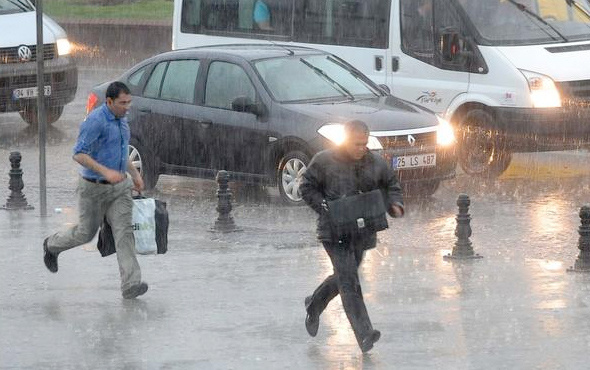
(15, 6)
(179, 82)
(225, 83)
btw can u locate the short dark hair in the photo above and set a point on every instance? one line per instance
(116, 88)
(356, 126)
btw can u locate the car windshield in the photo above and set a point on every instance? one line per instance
(314, 78)
(523, 22)
(15, 6)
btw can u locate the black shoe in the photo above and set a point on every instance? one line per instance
(135, 291)
(369, 340)
(49, 258)
(312, 321)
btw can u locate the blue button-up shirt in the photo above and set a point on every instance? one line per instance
(105, 139)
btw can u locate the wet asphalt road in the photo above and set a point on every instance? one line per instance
(235, 301)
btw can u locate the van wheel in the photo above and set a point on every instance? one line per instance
(482, 151)
(145, 162)
(290, 168)
(29, 114)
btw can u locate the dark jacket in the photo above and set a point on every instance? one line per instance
(332, 174)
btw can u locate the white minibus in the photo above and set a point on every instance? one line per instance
(511, 75)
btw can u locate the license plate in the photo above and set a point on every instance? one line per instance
(414, 161)
(30, 92)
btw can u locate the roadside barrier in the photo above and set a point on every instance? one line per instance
(16, 200)
(463, 249)
(225, 222)
(582, 263)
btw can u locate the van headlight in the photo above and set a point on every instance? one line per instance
(445, 135)
(63, 47)
(335, 133)
(544, 93)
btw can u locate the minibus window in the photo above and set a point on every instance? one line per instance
(417, 23)
(363, 23)
(237, 16)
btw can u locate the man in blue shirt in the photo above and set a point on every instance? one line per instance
(104, 188)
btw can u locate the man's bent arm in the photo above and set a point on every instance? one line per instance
(110, 175)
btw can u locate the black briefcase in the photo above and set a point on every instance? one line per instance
(363, 212)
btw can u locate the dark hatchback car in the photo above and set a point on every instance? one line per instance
(261, 112)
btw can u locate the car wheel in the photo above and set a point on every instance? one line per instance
(145, 162)
(291, 167)
(421, 189)
(29, 114)
(482, 151)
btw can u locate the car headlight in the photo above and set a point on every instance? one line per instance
(544, 93)
(63, 47)
(335, 133)
(445, 135)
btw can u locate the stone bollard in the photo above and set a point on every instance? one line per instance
(582, 263)
(16, 200)
(225, 222)
(463, 249)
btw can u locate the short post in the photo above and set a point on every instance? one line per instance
(582, 263)
(225, 222)
(463, 249)
(16, 200)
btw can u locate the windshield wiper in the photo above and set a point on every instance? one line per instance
(343, 90)
(526, 10)
(577, 5)
(354, 73)
(19, 4)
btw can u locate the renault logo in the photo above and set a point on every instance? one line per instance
(411, 140)
(24, 53)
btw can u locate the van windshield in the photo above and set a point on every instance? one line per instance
(15, 6)
(525, 22)
(314, 78)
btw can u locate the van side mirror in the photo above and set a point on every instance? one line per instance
(451, 44)
(246, 105)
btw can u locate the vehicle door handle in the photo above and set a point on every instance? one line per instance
(206, 123)
(145, 110)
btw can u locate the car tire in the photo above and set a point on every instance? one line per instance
(29, 114)
(291, 167)
(145, 162)
(482, 152)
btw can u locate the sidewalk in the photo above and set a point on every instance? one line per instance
(235, 301)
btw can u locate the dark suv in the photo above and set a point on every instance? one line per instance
(261, 112)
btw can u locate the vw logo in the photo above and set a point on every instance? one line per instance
(411, 140)
(24, 53)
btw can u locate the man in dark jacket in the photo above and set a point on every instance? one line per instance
(335, 173)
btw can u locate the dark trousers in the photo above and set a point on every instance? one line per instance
(346, 256)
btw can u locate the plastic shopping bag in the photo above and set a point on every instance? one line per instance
(144, 225)
(106, 242)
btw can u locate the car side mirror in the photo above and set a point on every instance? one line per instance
(246, 105)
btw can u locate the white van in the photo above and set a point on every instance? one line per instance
(512, 75)
(18, 63)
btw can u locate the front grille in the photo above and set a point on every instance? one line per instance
(402, 142)
(575, 93)
(10, 55)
